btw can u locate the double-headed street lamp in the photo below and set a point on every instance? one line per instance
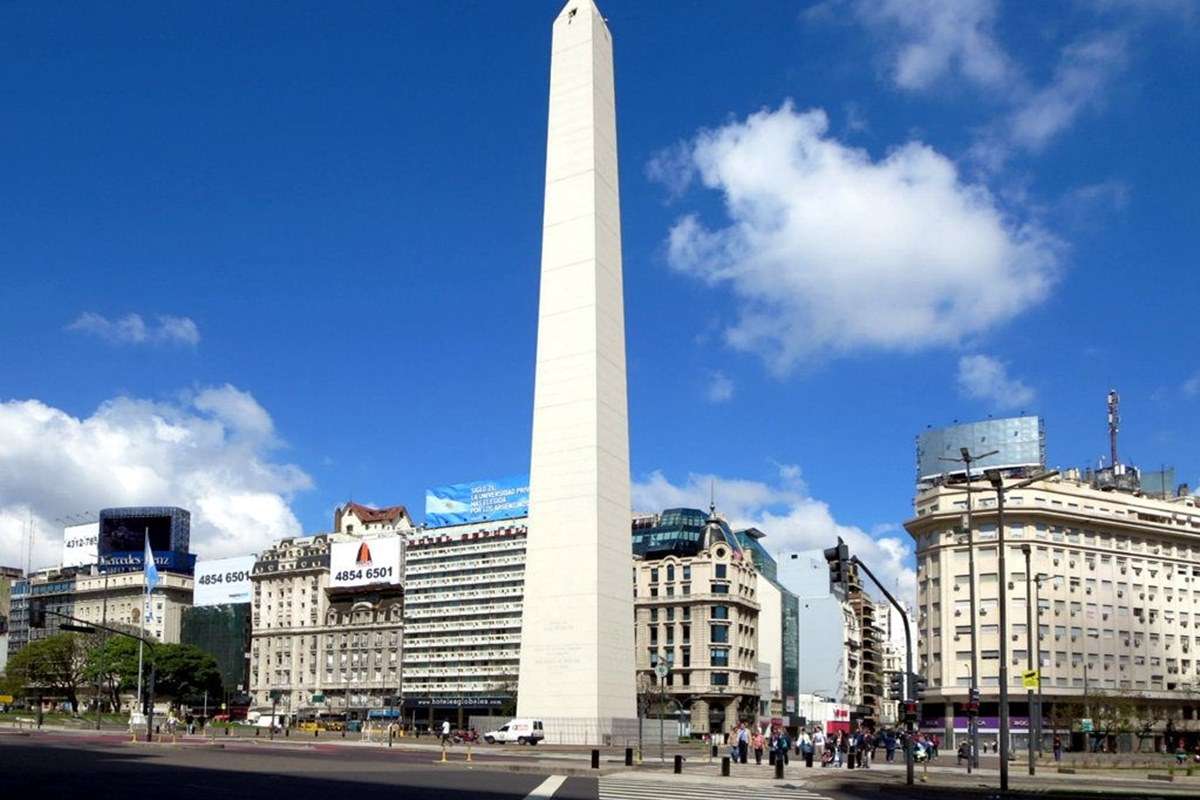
(996, 478)
(972, 704)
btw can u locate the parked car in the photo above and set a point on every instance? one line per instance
(521, 731)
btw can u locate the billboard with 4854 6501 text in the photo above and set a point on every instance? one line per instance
(362, 562)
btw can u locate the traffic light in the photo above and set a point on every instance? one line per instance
(973, 702)
(896, 685)
(918, 684)
(37, 615)
(838, 559)
(910, 711)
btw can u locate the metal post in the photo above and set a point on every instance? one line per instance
(972, 713)
(274, 706)
(103, 621)
(662, 696)
(1004, 722)
(908, 655)
(1037, 643)
(150, 703)
(1030, 635)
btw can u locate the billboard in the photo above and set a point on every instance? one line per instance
(133, 560)
(1020, 442)
(125, 529)
(362, 562)
(223, 580)
(80, 543)
(480, 501)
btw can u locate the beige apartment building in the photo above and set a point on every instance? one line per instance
(326, 649)
(119, 598)
(699, 614)
(1118, 613)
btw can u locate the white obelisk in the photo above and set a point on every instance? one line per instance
(577, 659)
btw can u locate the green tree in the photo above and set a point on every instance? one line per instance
(115, 664)
(185, 672)
(56, 665)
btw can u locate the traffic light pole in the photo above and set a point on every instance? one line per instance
(908, 657)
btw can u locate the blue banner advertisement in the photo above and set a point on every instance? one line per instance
(479, 501)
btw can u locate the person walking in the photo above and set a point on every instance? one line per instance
(782, 746)
(1057, 748)
(889, 745)
(757, 741)
(839, 748)
(445, 732)
(743, 743)
(818, 741)
(866, 749)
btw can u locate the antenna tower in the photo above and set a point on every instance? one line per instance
(1114, 423)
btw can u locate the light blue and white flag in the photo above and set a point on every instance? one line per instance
(150, 569)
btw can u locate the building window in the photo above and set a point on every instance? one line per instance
(720, 612)
(720, 658)
(654, 575)
(670, 572)
(687, 572)
(718, 634)
(720, 570)
(720, 588)
(720, 679)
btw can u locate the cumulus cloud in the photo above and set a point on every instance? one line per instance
(720, 387)
(936, 38)
(985, 378)
(1191, 387)
(211, 452)
(132, 329)
(788, 515)
(828, 250)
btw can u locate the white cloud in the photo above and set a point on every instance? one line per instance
(1084, 71)
(1191, 387)
(132, 329)
(985, 378)
(829, 251)
(720, 387)
(790, 518)
(936, 38)
(210, 453)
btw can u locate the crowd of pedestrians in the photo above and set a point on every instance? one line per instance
(858, 747)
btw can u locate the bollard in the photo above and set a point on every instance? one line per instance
(343, 731)
(850, 759)
(678, 764)
(468, 750)
(256, 733)
(771, 757)
(808, 757)
(725, 766)
(443, 761)
(595, 759)
(226, 730)
(713, 753)
(779, 768)
(389, 737)
(629, 756)
(287, 731)
(316, 733)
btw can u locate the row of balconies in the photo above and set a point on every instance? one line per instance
(464, 580)
(462, 566)
(465, 672)
(462, 655)
(412, 643)
(491, 621)
(444, 597)
(420, 555)
(486, 609)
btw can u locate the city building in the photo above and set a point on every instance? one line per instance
(893, 652)
(119, 599)
(464, 590)
(870, 647)
(1118, 607)
(834, 670)
(577, 657)
(711, 591)
(53, 588)
(222, 631)
(8, 577)
(325, 644)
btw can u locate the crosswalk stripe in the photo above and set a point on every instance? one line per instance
(623, 789)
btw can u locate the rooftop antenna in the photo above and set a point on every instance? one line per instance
(1114, 423)
(712, 498)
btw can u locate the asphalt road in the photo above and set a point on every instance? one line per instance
(68, 767)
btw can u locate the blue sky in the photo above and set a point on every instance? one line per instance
(843, 222)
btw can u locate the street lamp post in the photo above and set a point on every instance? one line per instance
(972, 711)
(1031, 636)
(995, 477)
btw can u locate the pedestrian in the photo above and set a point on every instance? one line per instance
(866, 749)
(934, 743)
(889, 745)
(757, 741)
(818, 740)
(839, 748)
(733, 746)
(782, 746)
(445, 732)
(1057, 748)
(805, 746)
(743, 743)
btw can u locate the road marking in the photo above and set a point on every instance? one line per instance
(635, 789)
(547, 788)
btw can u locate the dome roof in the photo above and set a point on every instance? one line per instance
(716, 531)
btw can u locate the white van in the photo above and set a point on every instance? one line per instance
(521, 731)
